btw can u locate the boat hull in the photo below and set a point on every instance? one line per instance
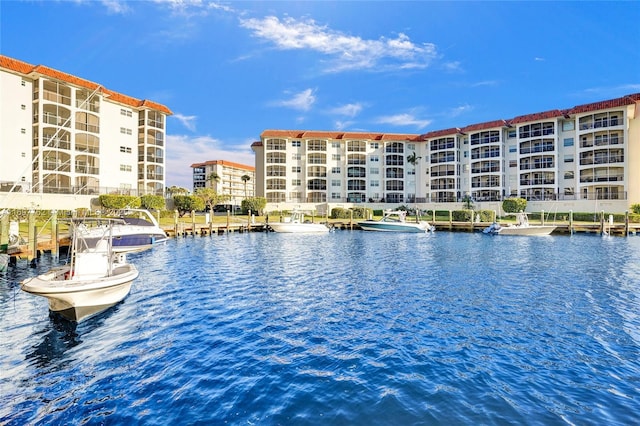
(394, 227)
(291, 228)
(526, 230)
(78, 299)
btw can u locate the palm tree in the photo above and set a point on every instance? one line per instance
(414, 159)
(214, 178)
(245, 179)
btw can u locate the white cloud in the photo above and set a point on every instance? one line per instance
(485, 83)
(349, 110)
(115, 6)
(454, 112)
(348, 52)
(403, 120)
(302, 101)
(538, 59)
(188, 121)
(183, 151)
(341, 125)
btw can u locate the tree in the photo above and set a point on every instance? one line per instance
(514, 205)
(414, 160)
(467, 201)
(209, 196)
(152, 202)
(255, 204)
(186, 203)
(176, 190)
(117, 202)
(245, 179)
(214, 178)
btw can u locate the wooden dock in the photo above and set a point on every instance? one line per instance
(47, 244)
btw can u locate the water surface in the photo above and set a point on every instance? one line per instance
(344, 328)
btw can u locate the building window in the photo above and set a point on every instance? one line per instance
(513, 148)
(23, 83)
(335, 196)
(296, 156)
(125, 112)
(568, 158)
(374, 159)
(295, 144)
(374, 171)
(335, 157)
(295, 169)
(568, 175)
(335, 144)
(335, 182)
(513, 163)
(125, 168)
(375, 145)
(374, 184)
(24, 154)
(411, 146)
(335, 170)
(125, 131)
(23, 107)
(23, 131)
(568, 142)
(511, 134)
(296, 182)
(567, 126)
(125, 149)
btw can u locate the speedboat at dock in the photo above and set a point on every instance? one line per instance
(137, 231)
(95, 279)
(295, 223)
(521, 227)
(395, 221)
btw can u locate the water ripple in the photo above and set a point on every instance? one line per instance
(343, 328)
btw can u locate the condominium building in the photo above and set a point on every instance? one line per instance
(588, 152)
(226, 178)
(62, 134)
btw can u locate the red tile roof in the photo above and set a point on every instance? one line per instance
(33, 71)
(612, 103)
(224, 163)
(440, 133)
(537, 116)
(309, 134)
(485, 126)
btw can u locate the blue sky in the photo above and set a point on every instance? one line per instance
(229, 70)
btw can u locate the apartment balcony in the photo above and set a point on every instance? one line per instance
(90, 170)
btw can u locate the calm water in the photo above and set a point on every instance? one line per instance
(345, 328)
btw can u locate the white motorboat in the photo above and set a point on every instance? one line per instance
(295, 223)
(395, 221)
(95, 279)
(138, 231)
(521, 227)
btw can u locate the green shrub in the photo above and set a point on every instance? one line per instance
(152, 202)
(635, 208)
(116, 202)
(514, 205)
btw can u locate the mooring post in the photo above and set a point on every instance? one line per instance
(54, 233)
(542, 218)
(193, 223)
(626, 223)
(175, 223)
(33, 238)
(570, 222)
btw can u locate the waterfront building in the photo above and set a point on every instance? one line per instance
(586, 157)
(62, 134)
(226, 178)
